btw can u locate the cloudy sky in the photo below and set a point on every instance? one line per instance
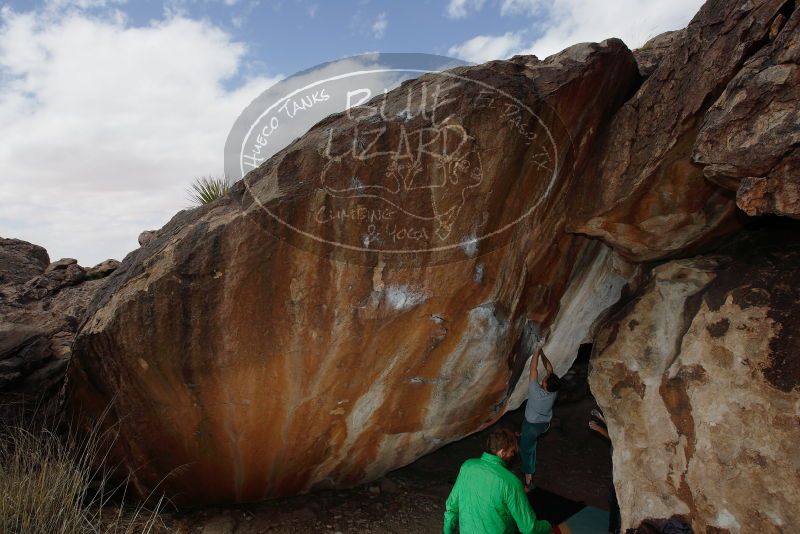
(110, 108)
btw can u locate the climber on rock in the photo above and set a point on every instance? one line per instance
(538, 413)
(487, 498)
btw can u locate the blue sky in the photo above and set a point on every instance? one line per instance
(283, 36)
(110, 108)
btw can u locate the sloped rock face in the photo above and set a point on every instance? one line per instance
(644, 194)
(41, 306)
(650, 55)
(245, 368)
(749, 138)
(697, 375)
(699, 379)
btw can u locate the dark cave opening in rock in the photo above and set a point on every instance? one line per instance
(572, 460)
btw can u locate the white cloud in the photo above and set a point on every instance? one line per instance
(515, 7)
(82, 4)
(558, 24)
(105, 124)
(379, 25)
(486, 47)
(633, 21)
(175, 8)
(457, 9)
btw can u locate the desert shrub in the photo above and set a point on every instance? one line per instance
(51, 483)
(207, 189)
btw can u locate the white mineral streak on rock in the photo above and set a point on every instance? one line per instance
(662, 340)
(594, 289)
(474, 361)
(470, 246)
(403, 297)
(358, 418)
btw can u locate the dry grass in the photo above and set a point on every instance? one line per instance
(52, 484)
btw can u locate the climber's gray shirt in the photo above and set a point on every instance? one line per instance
(540, 404)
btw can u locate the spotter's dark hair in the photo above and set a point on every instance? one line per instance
(501, 439)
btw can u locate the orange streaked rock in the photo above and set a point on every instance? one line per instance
(244, 366)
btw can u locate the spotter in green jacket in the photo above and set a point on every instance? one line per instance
(489, 499)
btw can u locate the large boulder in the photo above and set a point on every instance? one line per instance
(20, 261)
(644, 194)
(295, 336)
(699, 379)
(102, 269)
(41, 306)
(22, 349)
(245, 360)
(749, 139)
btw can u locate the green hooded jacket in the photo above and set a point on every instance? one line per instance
(489, 499)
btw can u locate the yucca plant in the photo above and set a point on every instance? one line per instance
(207, 189)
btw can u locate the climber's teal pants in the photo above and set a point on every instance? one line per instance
(527, 445)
